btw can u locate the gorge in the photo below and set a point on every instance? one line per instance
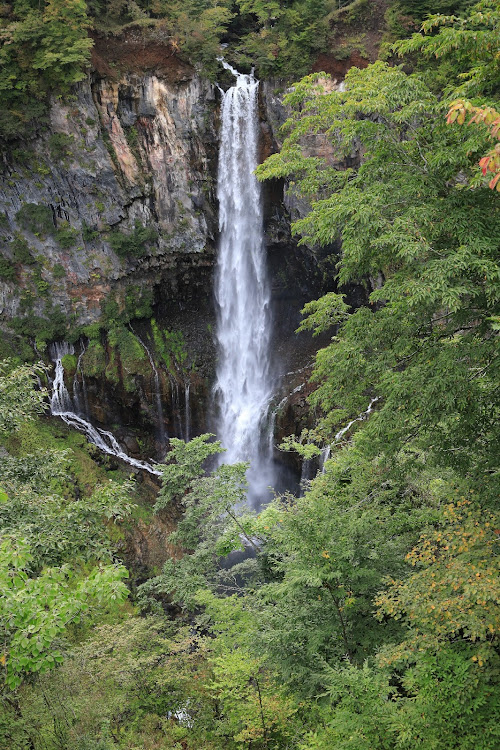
(130, 233)
(243, 232)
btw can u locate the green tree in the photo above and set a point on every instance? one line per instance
(35, 611)
(469, 41)
(44, 48)
(56, 562)
(425, 343)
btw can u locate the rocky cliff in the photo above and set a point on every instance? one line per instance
(117, 191)
(108, 232)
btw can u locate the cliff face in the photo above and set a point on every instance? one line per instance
(108, 228)
(130, 155)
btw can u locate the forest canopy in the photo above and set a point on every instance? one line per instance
(46, 46)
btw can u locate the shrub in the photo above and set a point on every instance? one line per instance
(58, 271)
(89, 233)
(138, 303)
(40, 283)
(21, 251)
(92, 331)
(133, 358)
(93, 361)
(66, 236)
(7, 269)
(69, 362)
(60, 146)
(133, 244)
(36, 217)
(48, 328)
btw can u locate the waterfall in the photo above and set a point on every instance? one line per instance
(325, 454)
(243, 386)
(80, 389)
(276, 411)
(360, 418)
(160, 419)
(61, 405)
(187, 415)
(176, 407)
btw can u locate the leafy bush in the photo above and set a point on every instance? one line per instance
(133, 358)
(48, 328)
(21, 251)
(60, 146)
(36, 218)
(89, 233)
(7, 269)
(92, 331)
(94, 360)
(47, 50)
(138, 302)
(170, 346)
(69, 362)
(42, 286)
(58, 271)
(134, 244)
(66, 236)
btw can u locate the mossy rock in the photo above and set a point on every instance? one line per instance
(69, 362)
(94, 360)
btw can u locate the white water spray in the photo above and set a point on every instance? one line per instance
(61, 405)
(243, 387)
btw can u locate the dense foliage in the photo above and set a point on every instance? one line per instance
(45, 47)
(365, 614)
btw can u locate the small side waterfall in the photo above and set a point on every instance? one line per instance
(61, 405)
(325, 454)
(160, 419)
(176, 407)
(360, 418)
(80, 398)
(243, 387)
(187, 415)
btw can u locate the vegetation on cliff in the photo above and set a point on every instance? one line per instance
(364, 615)
(46, 47)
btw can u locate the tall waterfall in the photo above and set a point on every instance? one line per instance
(243, 386)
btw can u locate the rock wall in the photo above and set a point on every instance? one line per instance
(108, 229)
(125, 155)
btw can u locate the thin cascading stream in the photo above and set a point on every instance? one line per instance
(162, 433)
(244, 385)
(80, 398)
(61, 405)
(187, 409)
(327, 450)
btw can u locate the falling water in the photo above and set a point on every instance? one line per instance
(176, 407)
(80, 397)
(187, 415)
(160, 419)
(243, 386)
(325, 454)
(61, 405)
